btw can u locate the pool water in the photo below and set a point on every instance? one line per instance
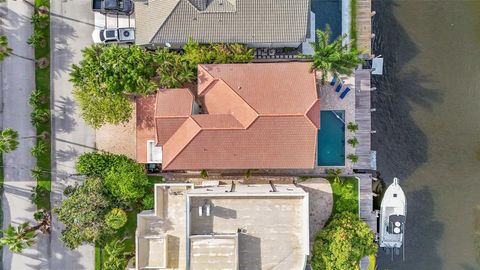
(331, 139)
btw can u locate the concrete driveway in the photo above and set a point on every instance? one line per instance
(72, 24)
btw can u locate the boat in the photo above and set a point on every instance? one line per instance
(393, 215)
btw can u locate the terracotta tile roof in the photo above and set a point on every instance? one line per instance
(166, 126)
(314, 112)
(275, 142)
(257, 116)
(217, 121)
(174, 102)
(270, 89)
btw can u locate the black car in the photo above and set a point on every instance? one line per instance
(124, 7)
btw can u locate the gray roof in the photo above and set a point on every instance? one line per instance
(229, 21)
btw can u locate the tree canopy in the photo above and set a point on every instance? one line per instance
(123, 177)
(83, 214)
(335, 57)
(18, 238)
(126, 181)
(342, 243)
(113, 69)
(107, 75)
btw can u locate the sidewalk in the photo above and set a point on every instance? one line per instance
(17, 83)
(72, 24)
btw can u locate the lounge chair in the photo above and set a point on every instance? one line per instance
(334, 80)
(339, 87)
(345, 92)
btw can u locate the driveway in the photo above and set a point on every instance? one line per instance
(71, 26)
(320, 200)
(16, 83)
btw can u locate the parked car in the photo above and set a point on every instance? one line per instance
(114, 35)
(113, 6)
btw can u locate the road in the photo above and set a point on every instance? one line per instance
(72, 23)
(17, 82)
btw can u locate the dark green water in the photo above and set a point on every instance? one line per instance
(428, 126)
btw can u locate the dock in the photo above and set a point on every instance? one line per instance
(367, 213)
(363, 119)
(364, 26)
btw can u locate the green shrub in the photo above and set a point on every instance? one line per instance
(353, 127)
(116, 255)
(116, 218)
(40, 20)
(335, 174)
(36, 99)
(353, 158)
(36, 173)
(148, 202)
(126, 182)
(38, 192)
(342, 243)
(353, 142)
(39, 116)
(39, 148)
(99, 163)
(37, 39)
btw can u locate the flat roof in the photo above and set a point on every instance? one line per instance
(214, 252)
(271, 230)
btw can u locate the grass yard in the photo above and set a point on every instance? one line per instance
(128, 231)
(345, 195)
(353, 25)
(42, 82)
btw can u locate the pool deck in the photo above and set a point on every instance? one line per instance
(330, 101)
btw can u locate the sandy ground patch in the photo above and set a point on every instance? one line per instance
(118, 139)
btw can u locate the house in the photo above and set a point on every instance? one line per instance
(266, 23)
(242, 116)
(224, 227)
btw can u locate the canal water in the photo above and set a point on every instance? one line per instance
(428, 126)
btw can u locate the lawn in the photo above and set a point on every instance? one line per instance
(128, 231)
(42, 83)
(353, 23)
(345, 195)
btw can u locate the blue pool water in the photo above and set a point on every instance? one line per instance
(331, 139)
(328, 12)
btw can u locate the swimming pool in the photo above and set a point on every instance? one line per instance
(331, 139)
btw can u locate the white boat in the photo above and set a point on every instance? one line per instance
(393, 214)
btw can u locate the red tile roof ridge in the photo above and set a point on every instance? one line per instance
(179, 134)
(246, 125)
(315, 105)
(202, 90)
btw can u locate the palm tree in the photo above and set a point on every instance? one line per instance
(19, 238)
(335, 57)
(4, 49)
(8, 140)
(335, 174)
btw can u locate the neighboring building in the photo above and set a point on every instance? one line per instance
(265, 23)
(224, 227)
(251, 116)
